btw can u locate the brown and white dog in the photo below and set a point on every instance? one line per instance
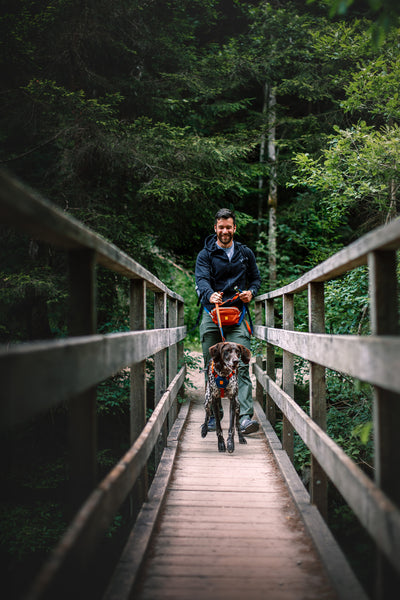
(222, 381)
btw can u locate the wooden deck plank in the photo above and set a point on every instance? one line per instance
(229, 528)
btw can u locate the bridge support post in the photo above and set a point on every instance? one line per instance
(288, 374)
(138, 399)
(316, 324)
(385, 321)
(259, 358)
(172, 358)
(160, 368)
(82, 427)
(270, 322)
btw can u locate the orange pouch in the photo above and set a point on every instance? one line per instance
(229, 315)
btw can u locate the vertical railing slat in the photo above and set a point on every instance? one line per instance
(160, 366)
(258, 317)
(138, 387)
(385, 321)
(288, 374)
(270, 322)
(82, 428)
(172, 358)
(316, 324)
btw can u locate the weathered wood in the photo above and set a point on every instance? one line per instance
(259, 358)
(373, 359)
(138, 387)
(82, 419)
(78, 544)
(228, 529)
(385, 321)
(160, 367)
(375, 511)
(288, 374)
(356, 254)
(20, 206)
(316, 324)
(138, 370)
(172, 357)
(270, 322)
(57, 370)
(131, 559)
(346, 583)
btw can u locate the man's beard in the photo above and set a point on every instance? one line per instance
(225, 238)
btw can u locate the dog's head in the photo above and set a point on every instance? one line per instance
(228, 354)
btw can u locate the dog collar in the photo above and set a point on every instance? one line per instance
(220, 381)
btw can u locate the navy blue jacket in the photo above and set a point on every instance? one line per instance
(215, 273)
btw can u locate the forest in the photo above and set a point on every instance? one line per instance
(142, 118)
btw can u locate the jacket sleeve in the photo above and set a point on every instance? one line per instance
(203, 277)
(253, 274)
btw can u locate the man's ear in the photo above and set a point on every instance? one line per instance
(246, 354)
(215, 351)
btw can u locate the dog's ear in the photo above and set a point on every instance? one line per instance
(246, 354)
(215, 351)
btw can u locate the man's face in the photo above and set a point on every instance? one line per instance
(225, 229)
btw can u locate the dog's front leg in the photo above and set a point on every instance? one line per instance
(218, 428)
(230, 443)
(242, 439)
(204, 427)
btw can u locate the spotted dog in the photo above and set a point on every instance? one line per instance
(222, 381)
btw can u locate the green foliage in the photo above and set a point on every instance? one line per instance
(27, 529)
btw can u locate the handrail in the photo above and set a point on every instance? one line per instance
(373, 359)
(39, 375)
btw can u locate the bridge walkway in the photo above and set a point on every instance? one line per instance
(228, 527)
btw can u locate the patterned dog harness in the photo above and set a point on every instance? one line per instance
(220, 381)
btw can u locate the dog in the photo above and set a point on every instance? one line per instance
(222, 381)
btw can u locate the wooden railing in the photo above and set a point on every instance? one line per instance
(374, 359)
(40, 375)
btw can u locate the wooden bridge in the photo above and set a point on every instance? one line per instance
(210, 525)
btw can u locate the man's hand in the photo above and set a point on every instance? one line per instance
(216, 297)
(246, 296)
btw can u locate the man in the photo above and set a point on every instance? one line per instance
(224, 266)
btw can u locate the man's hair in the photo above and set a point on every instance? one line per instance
(225, 213)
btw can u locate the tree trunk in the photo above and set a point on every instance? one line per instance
(273, 189)
(263, 142)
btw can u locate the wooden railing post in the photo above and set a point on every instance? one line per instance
(316, 324)
(160, 366)
(82, 427)
(385, 321)
(270, 322)
(288, 374)
(259, 359)
(181, 346)
(138, 387)
(172, 358)
(138, 370)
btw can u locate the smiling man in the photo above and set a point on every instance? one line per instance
(223, 266)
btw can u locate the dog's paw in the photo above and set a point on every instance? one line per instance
(204, 430)
(221, 445)
(242, 440)
(230, 444)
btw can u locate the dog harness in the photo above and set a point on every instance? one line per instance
(220, 381)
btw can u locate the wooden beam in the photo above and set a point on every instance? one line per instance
(370, 358)
(57, 370)
(75, 549)
(288, 375)
(316, 324)
(378, 514)
(82, 409)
